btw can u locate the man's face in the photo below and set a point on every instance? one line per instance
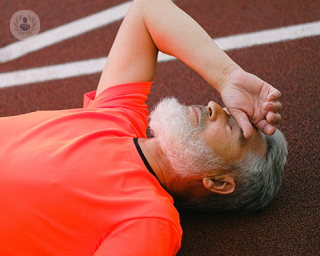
(196, 138)
(221, 132)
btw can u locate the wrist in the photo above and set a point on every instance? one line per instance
(225, 76)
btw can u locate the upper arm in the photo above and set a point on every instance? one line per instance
(133, 56)
(143, 237)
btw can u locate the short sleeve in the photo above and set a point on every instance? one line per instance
(126, 102)
(143, 237)
(124, 95)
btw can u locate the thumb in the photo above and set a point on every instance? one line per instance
(243, 122)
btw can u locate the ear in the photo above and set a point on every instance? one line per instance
(223, 186)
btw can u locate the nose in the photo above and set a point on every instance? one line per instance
(215, 111)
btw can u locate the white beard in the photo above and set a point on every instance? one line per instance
(187, 153)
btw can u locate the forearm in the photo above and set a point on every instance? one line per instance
(152, 25)
(175, 33)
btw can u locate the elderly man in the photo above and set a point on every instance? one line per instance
(89, 182)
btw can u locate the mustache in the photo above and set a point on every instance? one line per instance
(204, 115)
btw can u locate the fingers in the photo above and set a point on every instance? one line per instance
(269, 129)
(243, 122)
(273, 106)
(265, 127)
(273, 118)
(274, 95)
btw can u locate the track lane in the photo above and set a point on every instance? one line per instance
(290, 226)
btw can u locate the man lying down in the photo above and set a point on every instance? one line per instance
(89, 182)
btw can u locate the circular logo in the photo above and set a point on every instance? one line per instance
(24, 24)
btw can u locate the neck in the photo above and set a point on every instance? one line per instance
(179, 189)
(156, 159)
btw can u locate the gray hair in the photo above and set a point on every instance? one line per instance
(257, 181)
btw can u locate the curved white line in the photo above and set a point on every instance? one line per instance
(73, 69)
(64, 32)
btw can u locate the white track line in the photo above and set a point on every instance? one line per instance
(58, 34)
(92, 66)
(60, 71)
(269, 36)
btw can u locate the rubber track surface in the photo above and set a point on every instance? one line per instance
(290, 225)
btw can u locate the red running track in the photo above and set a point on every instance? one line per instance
(290, 226)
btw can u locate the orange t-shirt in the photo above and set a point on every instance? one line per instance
(73, 183)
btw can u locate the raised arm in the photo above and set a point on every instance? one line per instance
(152, 25)
(159, 24)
